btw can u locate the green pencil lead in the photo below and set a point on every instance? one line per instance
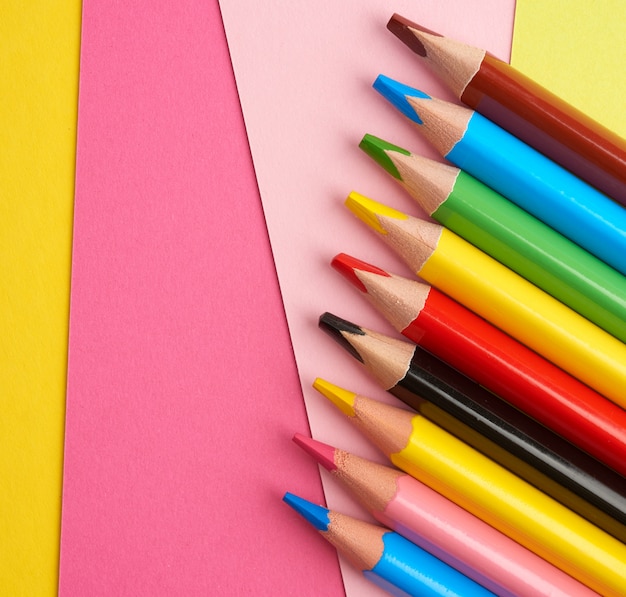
(377, 149)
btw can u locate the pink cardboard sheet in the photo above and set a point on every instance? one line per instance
(304, 72)
(182, 389)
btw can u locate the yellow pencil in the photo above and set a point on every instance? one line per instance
(487, 490)
(502, 297)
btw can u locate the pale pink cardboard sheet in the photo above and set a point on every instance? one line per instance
(183, 393)
(304, 72)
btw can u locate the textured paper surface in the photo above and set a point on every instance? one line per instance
(182, 390)
(304, 73)
(576, 49)
(39, 48)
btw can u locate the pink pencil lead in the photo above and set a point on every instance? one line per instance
(323, 453)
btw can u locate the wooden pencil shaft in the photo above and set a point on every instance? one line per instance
(501, 296)
(509, 234)
(541, 187)
(553, 127)
(517, 171)
(490, 492)
(521, 376)
(528, 314)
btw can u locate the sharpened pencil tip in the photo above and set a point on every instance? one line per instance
(368, 210)
(342, 399)
(405, 30)
(397, 93)
(316, 515)
(335, 327)
(347, 267)
(378, 150)
(322, 453)
(401, 28)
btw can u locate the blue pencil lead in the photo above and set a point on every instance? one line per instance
(397, 94)
(316, 515)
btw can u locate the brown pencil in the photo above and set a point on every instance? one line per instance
(523, 107)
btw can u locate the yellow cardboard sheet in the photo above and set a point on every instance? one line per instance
(39, 55)
(577, 49)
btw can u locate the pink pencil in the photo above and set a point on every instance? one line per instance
(444, 529)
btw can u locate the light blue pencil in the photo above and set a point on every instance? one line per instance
(385, 557)
(517, 171)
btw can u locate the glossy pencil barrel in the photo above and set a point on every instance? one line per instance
(536, 252)
(495, 360)
(526, 380)
(522, 310)
(544, 189)
(540, 523)
(502, 297)
(517, 442)
(550, 125)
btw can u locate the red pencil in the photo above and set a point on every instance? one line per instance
(494, 359)
(521, 106)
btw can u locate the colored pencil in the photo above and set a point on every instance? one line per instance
(444, 529)
(385, 557)
(509, 234)
(495, 360)
(487, 490)
(520, 173)
(490, 425)
(504, 298)
(523, 107)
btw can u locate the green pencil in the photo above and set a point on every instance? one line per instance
(509, 234)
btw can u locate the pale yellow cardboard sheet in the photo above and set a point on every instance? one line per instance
(577, 49)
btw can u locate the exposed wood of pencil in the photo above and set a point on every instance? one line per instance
(360, 541)
(509, 234)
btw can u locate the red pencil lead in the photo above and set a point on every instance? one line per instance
(347, 266)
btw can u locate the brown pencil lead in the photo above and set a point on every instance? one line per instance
(454, 61)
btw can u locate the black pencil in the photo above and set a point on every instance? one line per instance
(484, 421)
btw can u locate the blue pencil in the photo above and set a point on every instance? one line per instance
(514, 169)
(386, 558)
